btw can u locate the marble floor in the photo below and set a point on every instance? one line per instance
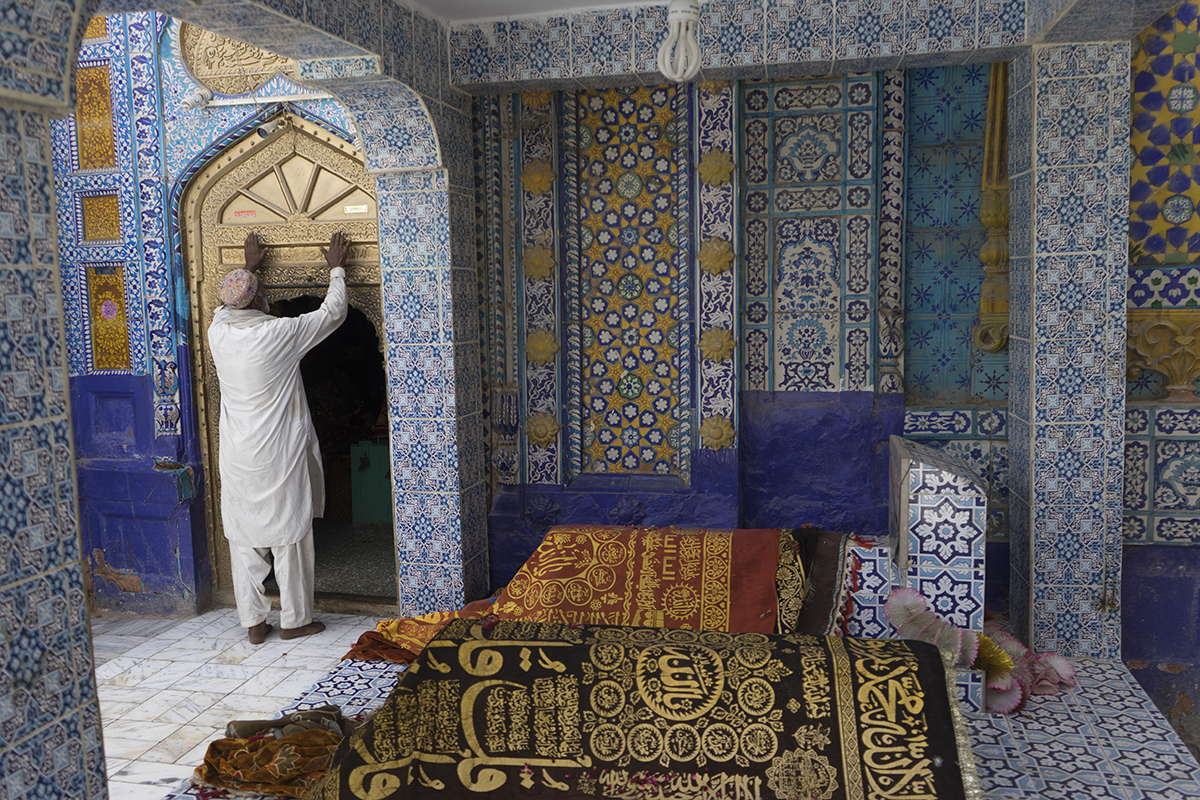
(168, 686)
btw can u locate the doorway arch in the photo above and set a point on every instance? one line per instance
(293, 187)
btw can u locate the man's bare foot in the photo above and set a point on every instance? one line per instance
(307, 630)
(258, 632)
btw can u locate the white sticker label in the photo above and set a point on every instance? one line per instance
(356, 209)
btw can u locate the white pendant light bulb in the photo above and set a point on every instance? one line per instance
(679, 55)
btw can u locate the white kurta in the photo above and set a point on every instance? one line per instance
(272, 482)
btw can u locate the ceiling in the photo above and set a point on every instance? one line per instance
(455, 10)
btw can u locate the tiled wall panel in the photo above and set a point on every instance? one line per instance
(1161, 503)
(947, 112)
(809, 177)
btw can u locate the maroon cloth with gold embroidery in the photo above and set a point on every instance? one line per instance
(698, 578)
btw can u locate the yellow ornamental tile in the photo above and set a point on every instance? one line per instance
(539, 263)
(541, 429)
(716, 255)
(101, 218)
(716, 167)
(716, 432)
(537, 177)
(541, 347)
(716, 344)
(536, 100)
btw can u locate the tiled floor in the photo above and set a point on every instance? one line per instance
(167, 688)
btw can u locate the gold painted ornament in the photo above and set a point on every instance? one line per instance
(537, 177)
(716, 344)
(716, 255)
(716, 167)
(539, 263)
(541, 347)
(537, 99)
(542, 429)
(716, 432)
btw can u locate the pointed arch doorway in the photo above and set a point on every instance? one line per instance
(295, 187)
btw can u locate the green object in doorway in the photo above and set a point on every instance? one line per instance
(370, 483)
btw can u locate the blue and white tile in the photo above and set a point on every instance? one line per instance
(1176, 422)
(397, 48)
(731, 35)
(937, 422)
(1136, 495)
(1069, 381)
(479, 53)
(866, 29)
(1071, 212)
(649, 32)
(428, 528)
(940, 26)
(424, 456)
(1174, 468)
(948, 531)
(411, 306)
(398, 137)
(431, 61)
(1135, 528)
(602, 42)
(955, 595)
(539, 49)
(1078, 60)
(1070, 296)
(798, 31)
(1177, 529)
(1070, 464)
(1067, 620)
(426, 588)
(1073, 121)
(1067, 542)
(969, 686)
(421, 380)
(1001, 23)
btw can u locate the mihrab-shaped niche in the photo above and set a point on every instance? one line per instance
(937, 516)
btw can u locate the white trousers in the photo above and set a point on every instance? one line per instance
(294, 572)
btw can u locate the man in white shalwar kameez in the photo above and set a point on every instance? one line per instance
(272, 482)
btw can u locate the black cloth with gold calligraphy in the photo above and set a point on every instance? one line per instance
(526, 709)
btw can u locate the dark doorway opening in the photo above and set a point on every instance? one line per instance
(346, 385)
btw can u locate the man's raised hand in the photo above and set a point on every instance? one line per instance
(254, 252)
(335, 256)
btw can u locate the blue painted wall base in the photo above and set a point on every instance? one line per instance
(819, 458)
(521, 515)
(142, 516)
(1160, 600)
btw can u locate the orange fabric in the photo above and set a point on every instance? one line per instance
(266, 765)
(374, 646)
(413, 633)
(697, 578)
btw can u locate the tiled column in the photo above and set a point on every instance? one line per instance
(1069, 173)
(49, 718)
(418, 148)
(418, 325)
